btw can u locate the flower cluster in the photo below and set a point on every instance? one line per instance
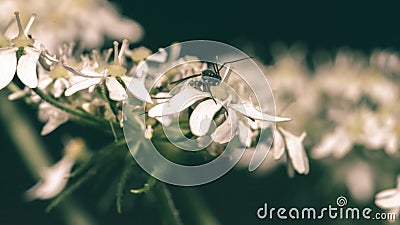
(86, 21)
(92, 86)
(349, 105)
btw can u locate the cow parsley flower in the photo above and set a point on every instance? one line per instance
(53, 75)
(297, 157)
(86, 21)
(22, 47)
(54, 117)
(202, 116)
(114, 75)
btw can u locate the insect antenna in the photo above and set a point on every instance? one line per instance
(233, 61)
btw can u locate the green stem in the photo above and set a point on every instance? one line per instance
(85, 116)
(122, 182)
(199, 210)
(32, 150)
(166, 205)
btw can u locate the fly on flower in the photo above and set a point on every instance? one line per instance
(209, 77)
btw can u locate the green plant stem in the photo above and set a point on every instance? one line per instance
(122, 182)
(198, 208)
(33, 153)
(85, 116)
(165, 204)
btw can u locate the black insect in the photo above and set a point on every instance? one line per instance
(209, 77)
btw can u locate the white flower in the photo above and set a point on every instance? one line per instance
(56, 78)
(53, 117)
(201, 118)
(338, 144)
(86, 21)
(53, 75)
(389, 199)
(90, 76)
(26, 66)
(54, 178)
(235, 121)
(295, 150)
(359, 180)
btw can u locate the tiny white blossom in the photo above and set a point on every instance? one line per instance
(90, 76)
(26, 66)
(54, 117)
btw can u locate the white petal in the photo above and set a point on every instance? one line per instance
(179, 102)
(26, 68)
(227, 130)
(250, 111)
(19, 94)
(58, 88)
(82, 85)
(278, 145)
(137, 88)
(44, 81)
(392, 144)
(160, 56)
(165, 120)
(244, 134)
(388, 199)
(116, 90)
(202, 117)
(54, 122)
(54, 179)
(141, 69)
(8, 65)
(296, 151)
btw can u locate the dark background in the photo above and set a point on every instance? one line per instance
(235, 197)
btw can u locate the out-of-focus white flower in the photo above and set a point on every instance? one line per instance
(26, 66)
(296, 155)
(295, 149)
(86, 21)
(389, 199)
(360, 181)
(54, 178)
(337, 144)
(53, 117)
